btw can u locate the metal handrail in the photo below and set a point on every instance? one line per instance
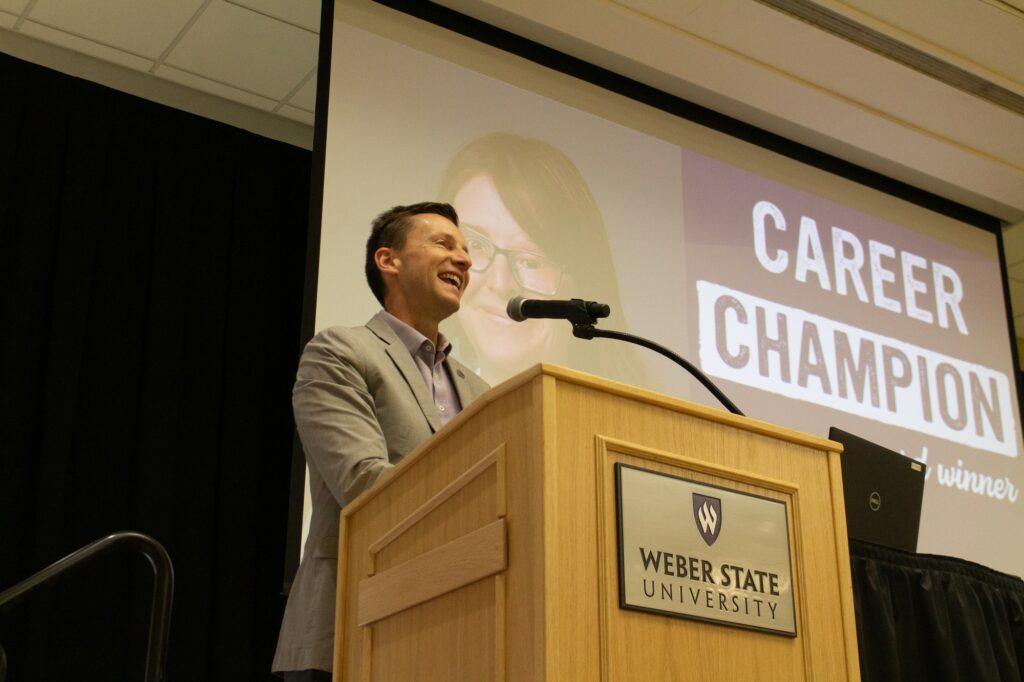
(163, 589)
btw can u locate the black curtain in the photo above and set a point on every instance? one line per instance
(935, 619)
(151, 286)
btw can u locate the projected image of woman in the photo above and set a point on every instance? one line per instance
(534, 230)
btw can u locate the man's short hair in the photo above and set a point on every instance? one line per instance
(390, 229)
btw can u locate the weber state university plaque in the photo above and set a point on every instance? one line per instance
(692, 550)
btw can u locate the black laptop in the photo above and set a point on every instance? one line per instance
(883, 492)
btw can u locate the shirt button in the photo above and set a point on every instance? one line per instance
(441, 407)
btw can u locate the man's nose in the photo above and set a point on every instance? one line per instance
(462, 260)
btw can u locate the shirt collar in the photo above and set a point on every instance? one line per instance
(412, 339)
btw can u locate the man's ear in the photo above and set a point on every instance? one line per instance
(387, 260)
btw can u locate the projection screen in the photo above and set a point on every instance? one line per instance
(812, 300)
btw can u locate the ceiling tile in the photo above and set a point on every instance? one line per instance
(13, 6)
(673, 13)
(7, 20)
(235, 46)
(143, 27)
(305, 98)
(215, 88)
(304, 13)
(859, 75)
(83, 46)
(970, 33)
(297, 114)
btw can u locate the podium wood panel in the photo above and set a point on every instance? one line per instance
(472, 557)
(533, 461)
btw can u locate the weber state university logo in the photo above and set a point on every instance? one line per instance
(707, 512)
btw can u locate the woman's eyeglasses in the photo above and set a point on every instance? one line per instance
(532, 271)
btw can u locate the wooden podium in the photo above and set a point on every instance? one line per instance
(490, 553)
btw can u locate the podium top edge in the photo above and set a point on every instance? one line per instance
(603, 385)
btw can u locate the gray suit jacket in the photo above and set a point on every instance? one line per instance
(361, 405)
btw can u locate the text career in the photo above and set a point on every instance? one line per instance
(927, 291)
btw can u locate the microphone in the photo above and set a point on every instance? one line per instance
(584, 314)
(575, 310)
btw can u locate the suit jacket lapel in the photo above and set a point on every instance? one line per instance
(399, 354)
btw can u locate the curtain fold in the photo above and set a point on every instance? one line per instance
(151, 291)
(925, 617)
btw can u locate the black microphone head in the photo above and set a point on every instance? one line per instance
(597, 310)
(515, 308)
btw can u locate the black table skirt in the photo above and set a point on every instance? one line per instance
(934, 618)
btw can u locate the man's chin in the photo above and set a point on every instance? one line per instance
(451, 303)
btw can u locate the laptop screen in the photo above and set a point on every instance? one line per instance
(883, 491)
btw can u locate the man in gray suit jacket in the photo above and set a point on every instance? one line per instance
(366, 396)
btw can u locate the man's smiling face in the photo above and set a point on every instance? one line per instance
(429, 272)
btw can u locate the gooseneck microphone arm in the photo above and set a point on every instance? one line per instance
(589, 331)
(584, 314)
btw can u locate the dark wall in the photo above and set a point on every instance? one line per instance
(151, 285)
